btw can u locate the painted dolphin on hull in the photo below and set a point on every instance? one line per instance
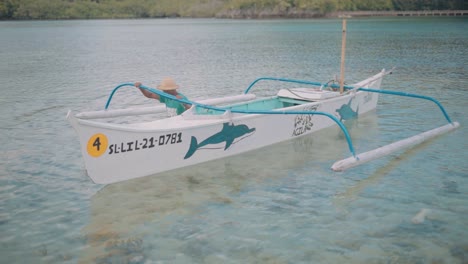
(346, 112)
(228, 134)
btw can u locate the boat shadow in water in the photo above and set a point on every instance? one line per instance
(119, 210)
(344, 199)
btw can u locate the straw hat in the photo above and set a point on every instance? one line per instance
(168, 84)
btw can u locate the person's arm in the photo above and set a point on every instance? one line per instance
(146, 93)
(186, 106)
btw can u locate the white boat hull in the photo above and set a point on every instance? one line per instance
(118, 152)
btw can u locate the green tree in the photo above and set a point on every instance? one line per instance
(89, 9)
(40, 9)
(84, 9)
(8, 8)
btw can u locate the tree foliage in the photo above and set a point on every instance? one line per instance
(91, 9)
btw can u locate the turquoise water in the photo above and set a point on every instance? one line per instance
(280, 204)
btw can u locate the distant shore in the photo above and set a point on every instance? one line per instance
(233, 9)
(401, 13)
(289, 14)
(251, 14)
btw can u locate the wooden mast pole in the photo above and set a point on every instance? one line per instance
(343, 48)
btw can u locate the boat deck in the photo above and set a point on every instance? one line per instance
(199, 116)
(264, 104)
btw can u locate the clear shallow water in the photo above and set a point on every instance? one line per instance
(280, 204)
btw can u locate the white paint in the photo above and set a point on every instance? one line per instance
(112, 167)
(307, 94)
(350, 162)
(159, 108)
(420, 217)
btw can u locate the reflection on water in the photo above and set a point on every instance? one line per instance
(352, 193)
(118, 209)
(281, 204)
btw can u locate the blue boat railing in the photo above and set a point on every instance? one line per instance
(338, 122)
(409, 95)
(348, 87)
(185, 101)
(115, 90)
(322, 85)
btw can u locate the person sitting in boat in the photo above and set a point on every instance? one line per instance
(169, 86)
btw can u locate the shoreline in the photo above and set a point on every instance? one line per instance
(291, 14)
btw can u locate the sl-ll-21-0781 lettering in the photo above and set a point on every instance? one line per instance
(98, 144)
(145, 143)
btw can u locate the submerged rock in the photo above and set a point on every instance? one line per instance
(421, 216)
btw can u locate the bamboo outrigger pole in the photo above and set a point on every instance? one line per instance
(350, 162)
(343, 48)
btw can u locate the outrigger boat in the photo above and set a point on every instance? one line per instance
(222, 127)
(117, 152)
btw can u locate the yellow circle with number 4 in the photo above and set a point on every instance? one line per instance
(97, 145)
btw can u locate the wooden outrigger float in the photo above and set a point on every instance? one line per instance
(222, 127)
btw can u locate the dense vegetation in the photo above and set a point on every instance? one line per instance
(89, 9)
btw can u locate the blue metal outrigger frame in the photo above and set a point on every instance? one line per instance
(348, 87)
(322, 85)
(409, 95)
(160, 93)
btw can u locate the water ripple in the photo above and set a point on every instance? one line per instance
(280, 204)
